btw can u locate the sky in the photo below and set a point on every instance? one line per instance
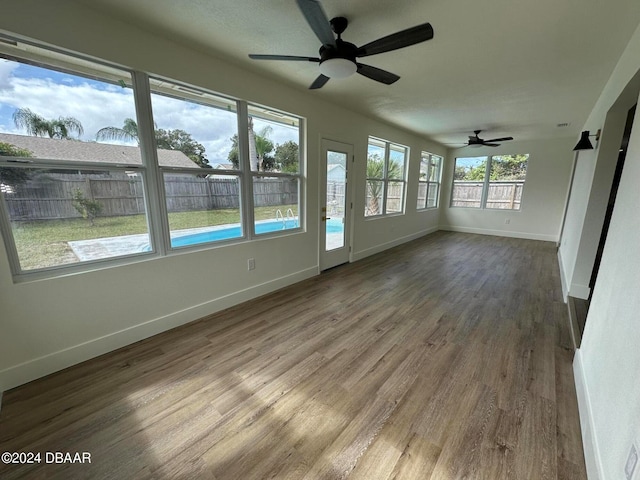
(469, 162)
(52, 94)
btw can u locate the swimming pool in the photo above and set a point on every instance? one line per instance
(235, 231)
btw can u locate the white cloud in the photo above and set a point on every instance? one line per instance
(94, 108)
(102, 105)
(6, 69)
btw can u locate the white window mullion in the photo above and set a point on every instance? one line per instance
(485, 189)
(154, 193)
(385, 175)
(246, 176)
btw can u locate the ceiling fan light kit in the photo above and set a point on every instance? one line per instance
(337, 57)
(338, 68)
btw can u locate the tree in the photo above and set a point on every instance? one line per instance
(89, 209)
(287, 157)
(375, 175)
(503, 167)
(264, 147)
(128, 132)
(166, 139)
(39, 126)
(509, 167)
(234, 156)
(471, 173)
(13, 176)
(260, 148)
(180, 140)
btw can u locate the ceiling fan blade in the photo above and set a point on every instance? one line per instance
(503, 139)
(490, 144)
(284, 57)
(317, 20)
(402, 39)
(319, 82)
(377, 74)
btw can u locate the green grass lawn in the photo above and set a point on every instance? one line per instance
(43, 243)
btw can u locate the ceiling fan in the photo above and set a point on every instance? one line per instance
(476, 141)
(338, 58)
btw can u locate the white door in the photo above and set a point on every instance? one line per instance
(335, 205)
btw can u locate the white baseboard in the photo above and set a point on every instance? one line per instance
(385, 246)
(563, 278)
(500, 233)
(25, 372)
(589, 441)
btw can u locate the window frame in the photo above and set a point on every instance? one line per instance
(87, 265)
(385, 179)
(252, 174)
(428, 182)
(151, 172)
(486, 182)
(193, 94)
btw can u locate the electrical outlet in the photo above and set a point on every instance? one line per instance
(251, 264)
(507, 221)
(632, 462)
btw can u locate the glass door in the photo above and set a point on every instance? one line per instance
(335, 213)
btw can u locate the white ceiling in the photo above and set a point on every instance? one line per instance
(508, 67)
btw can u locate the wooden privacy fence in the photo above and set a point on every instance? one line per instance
(50, 196)
(335, 197)
(373, 204)
(501, 195)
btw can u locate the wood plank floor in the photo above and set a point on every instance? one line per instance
(445, 358)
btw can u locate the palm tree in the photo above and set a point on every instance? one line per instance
(259, 147)
(128, 132)
(375, 177)
(39, 126)
(264, 146)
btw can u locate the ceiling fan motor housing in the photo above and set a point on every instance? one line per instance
(338, 62)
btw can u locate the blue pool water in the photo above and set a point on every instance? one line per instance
(333, 226)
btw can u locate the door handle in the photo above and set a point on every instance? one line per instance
(324, 219)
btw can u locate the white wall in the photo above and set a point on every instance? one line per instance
(607, 365)
(49, 324)
(544, 194)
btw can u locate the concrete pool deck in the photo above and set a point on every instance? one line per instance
(99, 248)
(108, 247)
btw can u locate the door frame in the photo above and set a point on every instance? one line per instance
(332, 259)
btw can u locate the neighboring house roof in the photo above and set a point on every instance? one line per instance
(223, 166)
(336, 171)
(75, 150)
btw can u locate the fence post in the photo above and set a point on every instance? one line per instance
(210, 204)
(87, 181)
(512, 200)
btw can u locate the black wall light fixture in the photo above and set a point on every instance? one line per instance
(584, 143)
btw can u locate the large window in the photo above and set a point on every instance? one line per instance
(274, 156)
(195, 132)
(68, 199)
(386, 165)
(86, 177)
(494, 182)
(429, 181)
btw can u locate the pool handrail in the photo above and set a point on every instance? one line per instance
(279, 212)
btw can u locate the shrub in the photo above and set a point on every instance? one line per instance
(89, 209)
